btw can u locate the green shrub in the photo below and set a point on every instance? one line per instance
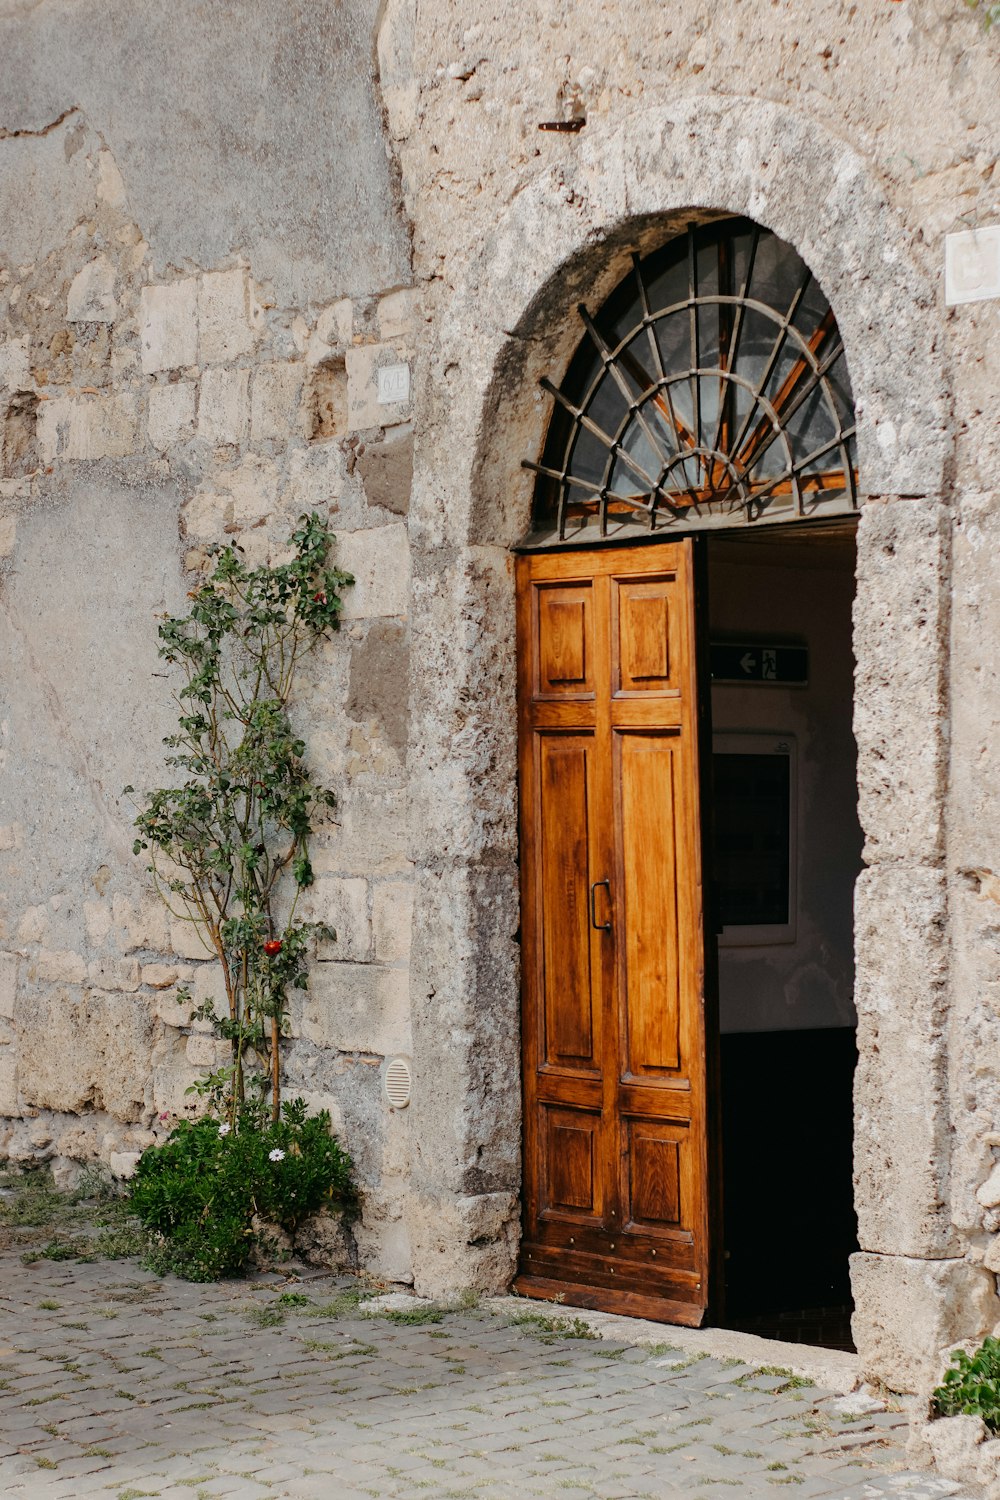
(971, 1386)
(200, 1191)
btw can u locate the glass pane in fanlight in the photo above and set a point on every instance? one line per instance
(684, 474)
(709, 385)
(673, 335)
(811, 310)
(757, 335)
(608, 407)
(624, 481)
(708, 336)
(707, 262)
(840, 384)
(669, 284)
(677, 397)
(584, 370)
(589, 457)
(637, 445)
(620, 314)
(656, 415)
(637, 362)
(812, 427)
(777, 273)
(740, 244)
(575, 496)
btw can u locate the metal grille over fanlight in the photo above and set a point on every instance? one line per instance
(710, 389)
(397, 1081)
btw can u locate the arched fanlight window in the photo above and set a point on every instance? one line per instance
(711, 389)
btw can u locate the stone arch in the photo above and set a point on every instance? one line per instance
(508, 318)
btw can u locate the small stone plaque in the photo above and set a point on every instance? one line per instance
(393, 384)
(972, 265)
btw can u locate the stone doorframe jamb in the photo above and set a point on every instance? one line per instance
(508, 317)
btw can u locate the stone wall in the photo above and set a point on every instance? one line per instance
(205, 258)
(861, 136)
(189, 348)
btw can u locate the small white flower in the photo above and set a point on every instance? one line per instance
(276, 1155)
(224, 1129)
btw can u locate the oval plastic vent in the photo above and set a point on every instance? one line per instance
(397, 1081)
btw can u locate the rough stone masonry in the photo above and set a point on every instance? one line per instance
(215, 231)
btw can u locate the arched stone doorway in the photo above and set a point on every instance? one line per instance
(707, 404)
(505, 320)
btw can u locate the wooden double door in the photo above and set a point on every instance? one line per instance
(616, 1159)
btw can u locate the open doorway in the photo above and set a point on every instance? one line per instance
(786, 850)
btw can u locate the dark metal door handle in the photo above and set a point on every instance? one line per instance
(598, 926)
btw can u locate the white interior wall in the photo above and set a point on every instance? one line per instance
(797, 590)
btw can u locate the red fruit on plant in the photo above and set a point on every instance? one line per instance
(320, 598)
(272, 946)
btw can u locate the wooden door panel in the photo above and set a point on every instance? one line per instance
(564, 640)
(615, 1154)
(647, 783)
(646, 650)
(572, 1180)
(571, 1029)
(660, 1191)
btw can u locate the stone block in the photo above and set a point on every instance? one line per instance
(114, 974)
(171, 413)
(187, 942)
(8, 541)
(9, 963)
(223, 406)
(171, 1010)
(168, 325)
(343, 905)
(382, 1235)
(380, 681)
(464, 1243)
(392, 920)
(207, 1052)
(908, 1310)
(159, 976)
(334, 331)
(99, 427)
(102, 1061)
(228, 315)
(140, 923)
(97, 920)
(275, 406)
(57, 966)
(954, 1443)
(364, 409)
(124, 1163)
(15, 364)
(324, 1239)
(91, 296)
(902, 1119)
(900, 702)
(210, 984)
(386, 470)
(315, 1103)
(357, 1008)
(8, 1086)
(372, 835)
(380, 562)
(397, 316)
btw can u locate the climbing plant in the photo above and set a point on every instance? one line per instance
(229, 841)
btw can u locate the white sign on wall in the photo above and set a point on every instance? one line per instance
(972, 265)
(393, 384)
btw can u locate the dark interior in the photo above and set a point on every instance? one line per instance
(785, 852)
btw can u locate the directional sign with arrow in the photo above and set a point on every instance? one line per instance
(757, 661)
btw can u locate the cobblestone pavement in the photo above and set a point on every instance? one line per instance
(116, 1383)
